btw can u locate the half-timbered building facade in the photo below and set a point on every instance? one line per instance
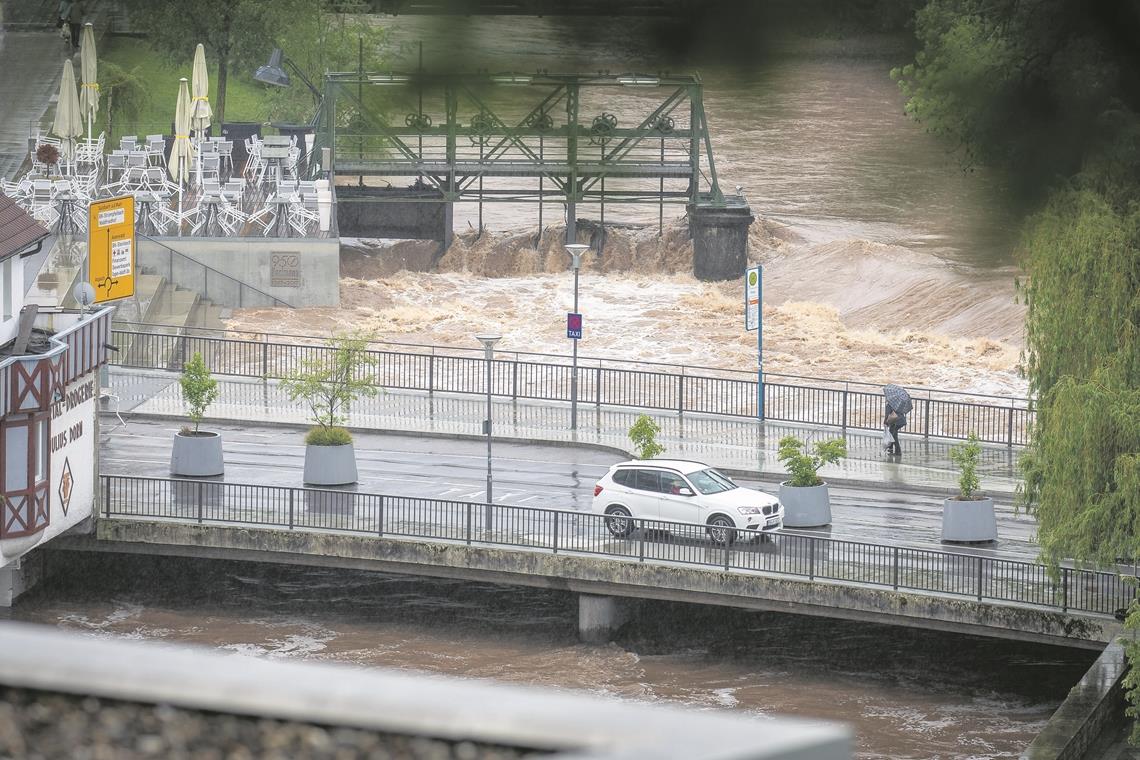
(49, 361)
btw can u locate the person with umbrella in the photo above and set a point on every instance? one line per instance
(898, 407)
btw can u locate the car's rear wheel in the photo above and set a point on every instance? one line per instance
(721, 530)
(619, 521)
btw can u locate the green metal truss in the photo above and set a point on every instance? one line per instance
(470, 140)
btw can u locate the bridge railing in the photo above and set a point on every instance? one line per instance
(661, 387)
(928, 571)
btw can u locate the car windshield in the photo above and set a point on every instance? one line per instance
(710, 481)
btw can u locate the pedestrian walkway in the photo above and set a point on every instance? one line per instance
(735, 444)
(32, 62)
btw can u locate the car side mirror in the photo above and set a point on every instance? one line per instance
(685, 491)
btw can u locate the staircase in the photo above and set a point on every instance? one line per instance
(170, 309)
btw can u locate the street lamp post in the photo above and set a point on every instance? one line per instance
(575, 250)
(488, 341)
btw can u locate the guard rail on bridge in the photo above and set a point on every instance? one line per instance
(800, 555)
(544, 377)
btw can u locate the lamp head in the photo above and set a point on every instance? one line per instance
(273, 72)
(576, 250)
(488, 339)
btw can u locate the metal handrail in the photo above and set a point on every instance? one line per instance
(839, 407)
(587, 360)
(802, 555)
(276, 301)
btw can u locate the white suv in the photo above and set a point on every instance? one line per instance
(680, 491)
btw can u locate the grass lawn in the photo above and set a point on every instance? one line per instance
(244, 97)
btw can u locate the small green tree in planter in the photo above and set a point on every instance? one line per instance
(807, 503)
(329, 384)
(197, 453)
(643, 433)
(968, 517)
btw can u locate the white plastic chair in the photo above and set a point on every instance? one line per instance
(156, 150)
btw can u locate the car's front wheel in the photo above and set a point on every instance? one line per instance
(721, 530)
(619, 521)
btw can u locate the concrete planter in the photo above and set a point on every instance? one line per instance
(196, 455)
(968, 521)
(805, 506)
(330, 465)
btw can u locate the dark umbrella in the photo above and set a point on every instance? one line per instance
(898, 399)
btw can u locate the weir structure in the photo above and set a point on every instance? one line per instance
(541, 138)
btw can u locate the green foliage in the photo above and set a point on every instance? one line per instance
(966, 456)
(801, 465)
(1015, 84)
(237, 34)
(1083, 260)
(328, 436)
(125, 95)
(331, 381)
(643, 433)
(338, 39)
(199, 389)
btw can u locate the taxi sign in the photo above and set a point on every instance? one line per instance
(111, 248)
(573, 326)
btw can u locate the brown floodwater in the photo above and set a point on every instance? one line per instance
(907, 693)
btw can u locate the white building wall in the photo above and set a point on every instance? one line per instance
(11, 296)
(71, 493)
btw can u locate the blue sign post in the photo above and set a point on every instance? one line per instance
(573, 326)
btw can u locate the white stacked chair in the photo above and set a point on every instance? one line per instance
(116, 168)
(156, 150)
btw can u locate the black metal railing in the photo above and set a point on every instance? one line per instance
(928, 571)
(813, 401)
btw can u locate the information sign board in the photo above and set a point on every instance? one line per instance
(111, 248)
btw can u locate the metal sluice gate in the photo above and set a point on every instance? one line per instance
(531, 138)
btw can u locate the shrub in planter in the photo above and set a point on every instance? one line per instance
(197, 453)
(806, 501)
(643, 433)
(802, 466)
(328, 436)
(329, 384)
(968, 517)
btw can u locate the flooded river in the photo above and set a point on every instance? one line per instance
(907, 693)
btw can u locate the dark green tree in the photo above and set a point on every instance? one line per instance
(236, 33)
(1046, 89)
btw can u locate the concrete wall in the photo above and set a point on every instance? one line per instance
(601, 576)
(1095, 704)
(299, 271)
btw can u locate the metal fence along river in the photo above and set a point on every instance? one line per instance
(986, 579)
(603, 382)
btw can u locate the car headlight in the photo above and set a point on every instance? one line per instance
(750, 510)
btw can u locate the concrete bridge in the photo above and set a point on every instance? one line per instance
(798, 573)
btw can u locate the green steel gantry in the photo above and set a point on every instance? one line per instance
(470, 140)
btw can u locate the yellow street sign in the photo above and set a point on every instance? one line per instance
(111, 248)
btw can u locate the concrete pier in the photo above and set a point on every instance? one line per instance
(20, 575)
(720, 239)
(599, 617)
